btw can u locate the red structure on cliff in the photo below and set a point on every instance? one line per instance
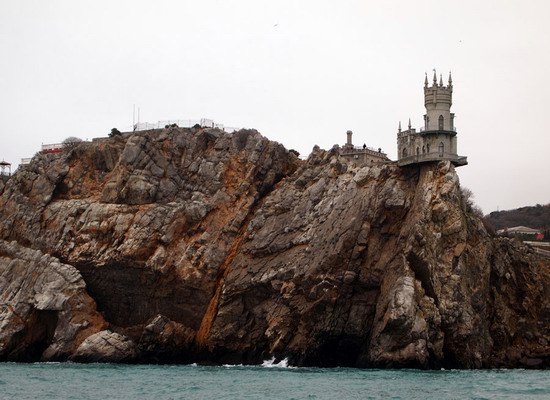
(52, 148)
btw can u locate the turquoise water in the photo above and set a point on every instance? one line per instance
(109, 381)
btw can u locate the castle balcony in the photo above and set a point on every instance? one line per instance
(452, 131)
(457, 161)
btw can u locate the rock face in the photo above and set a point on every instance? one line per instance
(105, 346)
(187, 245)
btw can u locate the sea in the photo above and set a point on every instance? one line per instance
(268, 381)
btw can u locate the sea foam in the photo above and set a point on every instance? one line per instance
(272, 364)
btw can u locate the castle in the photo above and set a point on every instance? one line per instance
(436, 141)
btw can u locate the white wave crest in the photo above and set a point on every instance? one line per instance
(232, 365)
(272, 364)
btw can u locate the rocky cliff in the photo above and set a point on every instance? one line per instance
(189, 245)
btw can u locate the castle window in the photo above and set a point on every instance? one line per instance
(441, 120)
(405, 152)
(423, 149)
(441, 149)
(428, 148)
(417, 150)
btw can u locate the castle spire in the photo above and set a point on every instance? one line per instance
(435, 78)
(450, 79)
(441, 80)
(426, 80)
(399, 128)
(409, 123)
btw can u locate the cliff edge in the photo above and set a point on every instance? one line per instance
(193, 245)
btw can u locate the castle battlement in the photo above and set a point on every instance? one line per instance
(438, 93)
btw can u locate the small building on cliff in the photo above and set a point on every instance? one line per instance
(519, 230)
(362, 155)
(5, 170)
(436, 141)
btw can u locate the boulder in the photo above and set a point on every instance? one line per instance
(105, 346)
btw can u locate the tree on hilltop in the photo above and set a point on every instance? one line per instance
(115, 132)
(71, 142)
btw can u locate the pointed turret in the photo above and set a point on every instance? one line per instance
(438, 100)
(409, 124)
(399, 128)
(426, 80)
(450, 80)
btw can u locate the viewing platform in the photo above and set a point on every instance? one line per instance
(351, 150)
(457, 161)
(362, 155)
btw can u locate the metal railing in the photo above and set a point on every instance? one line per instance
(422, 129)
(183, 123)
(347, 149)
(53, 146)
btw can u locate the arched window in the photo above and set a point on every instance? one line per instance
(441, 120)
(423, 149)
(405, 152)
(428, 148)
(441, 149)
(417, 150)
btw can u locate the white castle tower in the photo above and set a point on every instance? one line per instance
(436, 141)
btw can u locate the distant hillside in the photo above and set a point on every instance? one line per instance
(534, 217)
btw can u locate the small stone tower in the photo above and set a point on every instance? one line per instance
(349, 142)
(361, 155)
(436, 141)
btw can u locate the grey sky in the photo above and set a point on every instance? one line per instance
(301, 72)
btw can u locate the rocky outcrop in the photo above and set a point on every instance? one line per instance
(45, 309)
(105, 346)
(196, 245)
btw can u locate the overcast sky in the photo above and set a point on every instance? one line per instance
(301, 72)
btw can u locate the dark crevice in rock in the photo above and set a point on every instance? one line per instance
(221, 355)
(450, 359)
(335, 351)
(60, 190)
(128, 295)
(422, 272)
(29, 343)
